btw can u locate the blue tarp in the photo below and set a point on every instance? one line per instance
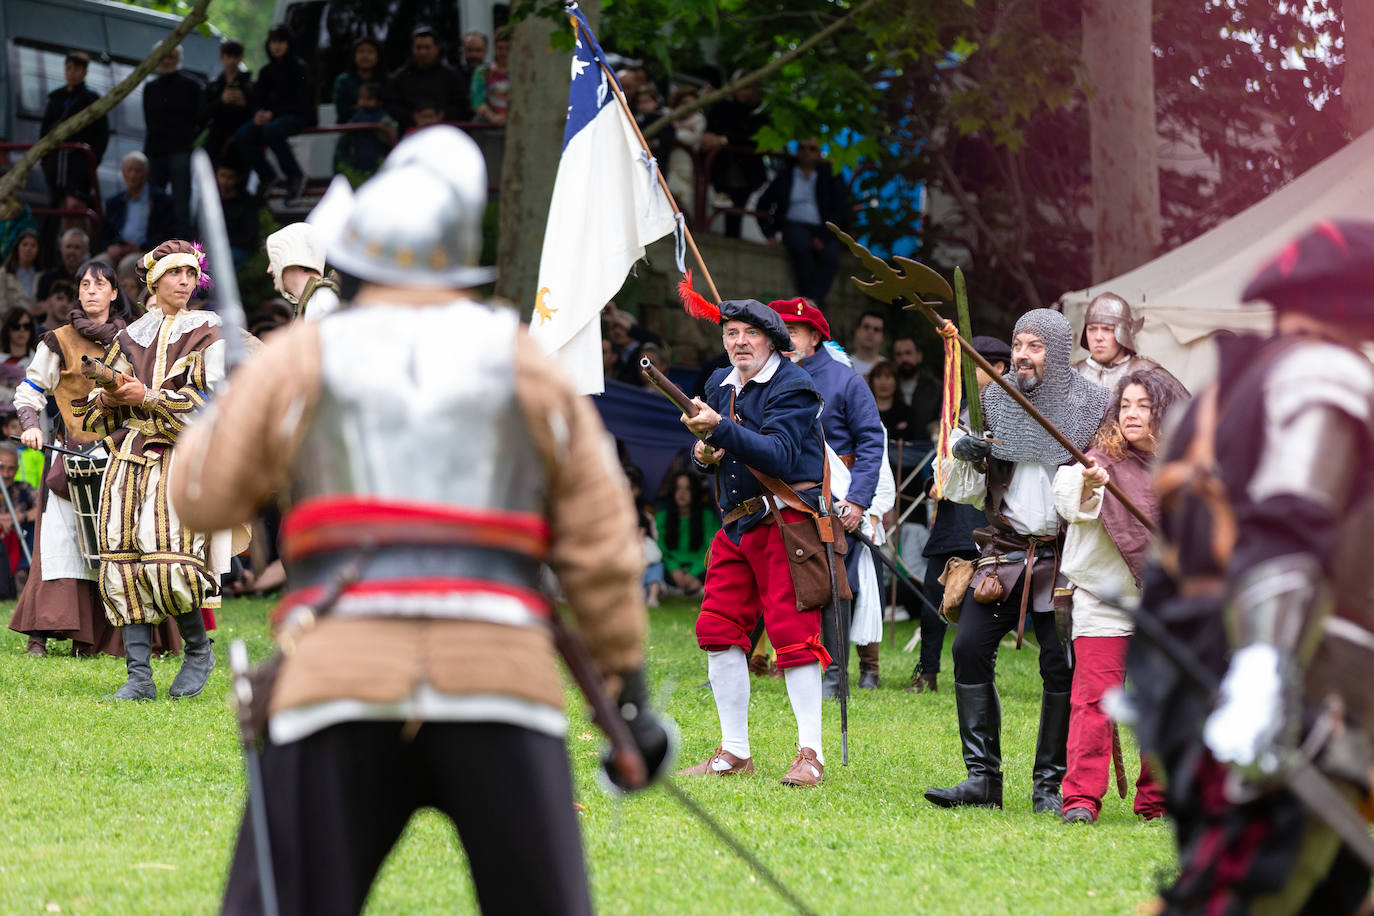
(648, 424)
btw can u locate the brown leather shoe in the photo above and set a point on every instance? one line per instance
(38, 646)
(737, 767)
(759, 665)
(923, 683)
(806, 770)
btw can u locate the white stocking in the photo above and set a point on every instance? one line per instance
(729, 673)
(804, 690)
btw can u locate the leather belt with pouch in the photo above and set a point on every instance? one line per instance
(757, 504)
(988, 587)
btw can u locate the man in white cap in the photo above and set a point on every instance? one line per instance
(295, 259)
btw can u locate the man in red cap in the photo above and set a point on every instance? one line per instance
(1268, 508)
(854, 431)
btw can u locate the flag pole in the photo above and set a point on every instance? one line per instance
(662, 182)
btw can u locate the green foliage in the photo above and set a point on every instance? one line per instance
(134, 808)
(246, 20)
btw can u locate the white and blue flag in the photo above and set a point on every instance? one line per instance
(607, 205)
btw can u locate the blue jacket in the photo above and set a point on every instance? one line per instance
(851, 421)
(161, 220)
(776, 430)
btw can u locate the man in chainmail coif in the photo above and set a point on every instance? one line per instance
(1009, 476)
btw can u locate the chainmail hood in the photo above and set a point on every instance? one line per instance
(1072, 403)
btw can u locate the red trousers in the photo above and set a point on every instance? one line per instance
(1099, 665)
(751, 578)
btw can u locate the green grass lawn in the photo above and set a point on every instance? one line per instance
(133, 808)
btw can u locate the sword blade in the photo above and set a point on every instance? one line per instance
(736, 847)
(216, 239)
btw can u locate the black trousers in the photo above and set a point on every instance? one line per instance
(338, 800)
(980, 631)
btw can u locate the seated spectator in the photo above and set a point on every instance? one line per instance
(30, 459)
(59, 304)
(648, 108)
(17, 343)
(224, 107)
(425, 114)
(138, 218)
(896, 414)
(626, 336)
(491, 83)
(608, 359)
(682, 161)
(796, 206)
(737, 175)
(648, 533)
(127, 272)
(367, 68)
(15, 218)
(362, 152)
(685, 529)
(283, 104)
(74, 249)
(427, 76)
(242, 212)
(474, 53)
(656, 355)
(68, 172)
(24, 499)
(19, 276)
(172, 106)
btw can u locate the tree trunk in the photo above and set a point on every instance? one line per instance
(539, 78)
(1357, 89)
(1125, 142)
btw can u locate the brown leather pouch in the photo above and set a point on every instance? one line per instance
(807, 560)
(56, 478)
(989, 589)
(956, 577)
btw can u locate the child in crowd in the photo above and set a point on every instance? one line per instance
(648, 532)
(362, 152)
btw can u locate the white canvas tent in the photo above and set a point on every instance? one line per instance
(1195, 289)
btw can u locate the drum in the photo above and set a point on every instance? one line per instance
(84, 477)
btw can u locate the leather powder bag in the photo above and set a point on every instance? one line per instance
(956, 577)
(989, 589)
(807, 561)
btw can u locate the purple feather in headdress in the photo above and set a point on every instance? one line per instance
(201, 261)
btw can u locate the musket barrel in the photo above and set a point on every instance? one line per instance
(665, 385)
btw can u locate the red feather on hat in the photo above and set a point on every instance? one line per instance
(695, 304)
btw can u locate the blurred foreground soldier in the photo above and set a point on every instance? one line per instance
(423, 439)
(1268, 508)
(152, 565)
(295, 259)
(1011, 478)
(760, 434)
(1109, 337)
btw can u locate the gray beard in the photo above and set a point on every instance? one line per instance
(1028, 385)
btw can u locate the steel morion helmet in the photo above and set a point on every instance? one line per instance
(418, 221)
(1109, 308)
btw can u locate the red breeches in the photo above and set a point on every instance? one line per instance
(751, 578)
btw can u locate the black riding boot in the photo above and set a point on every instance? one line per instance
(197, 659)
(138, 648)
(980, 732)
(1051, 752)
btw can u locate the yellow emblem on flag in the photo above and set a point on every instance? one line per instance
(541, 306)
